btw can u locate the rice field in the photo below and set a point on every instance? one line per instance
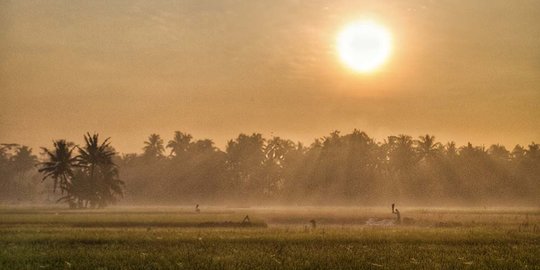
(274, 238)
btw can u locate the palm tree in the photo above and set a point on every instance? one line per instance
(59, 164)
(180, 143)
(94, 154)
(109, 185)
(203, 146)
(451, 149)
(102, 173)
(23, 159)
(276, 151)
(154, 147)
(79, 190)
(427, 147)
(400, 151)
(471, 151)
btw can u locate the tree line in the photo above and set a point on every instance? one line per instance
(85, 176)
(335, 169)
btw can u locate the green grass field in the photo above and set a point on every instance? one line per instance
(179, 238)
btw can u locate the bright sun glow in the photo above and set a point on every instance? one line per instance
(364, 46)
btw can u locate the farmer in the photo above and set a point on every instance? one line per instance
(396, 212)
(398, 216)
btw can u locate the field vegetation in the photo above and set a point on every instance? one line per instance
(343, 238)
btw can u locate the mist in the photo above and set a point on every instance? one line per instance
(335, 170)
(256, 134)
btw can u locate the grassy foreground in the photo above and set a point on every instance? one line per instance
(171, 238)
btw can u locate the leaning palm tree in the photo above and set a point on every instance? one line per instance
(59, 164)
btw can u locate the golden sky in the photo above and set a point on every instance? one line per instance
(462, 70)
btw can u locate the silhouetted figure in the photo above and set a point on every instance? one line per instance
(313, 223)
(246, 220)
(398, 216)
(197, 209)
(393, 206)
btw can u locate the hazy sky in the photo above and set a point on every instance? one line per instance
(462, 70)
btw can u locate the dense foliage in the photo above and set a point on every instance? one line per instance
(89, 179)
(18, 178)
(336, 169)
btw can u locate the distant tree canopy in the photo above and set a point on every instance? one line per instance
(18, 180)
(345, 169)
(336, 169)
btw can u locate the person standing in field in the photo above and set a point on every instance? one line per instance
(396, 212)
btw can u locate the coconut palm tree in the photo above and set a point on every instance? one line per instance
(94, 154)
(451, 149)
(109, 185)
(79, 190)
(96, 159)
(179, 144)
(203, 146)
(427, 147)
(59, 164)
(153, 148)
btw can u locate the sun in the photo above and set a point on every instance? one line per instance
(364, 46)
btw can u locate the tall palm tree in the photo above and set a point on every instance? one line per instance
(180, 143)
(59, 164)
(427, 147)
(153, 148)
(96, 159)
(94, 154)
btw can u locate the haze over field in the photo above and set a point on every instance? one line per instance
(462, 70)
(260, 134)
